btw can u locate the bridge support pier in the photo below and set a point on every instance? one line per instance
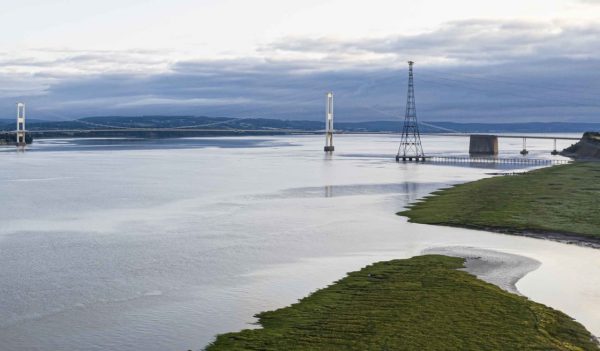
(483, 145)
(554, 151)
(524, 151)
(410, 158)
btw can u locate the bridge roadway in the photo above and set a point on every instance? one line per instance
(36, 131)
(528, 136)
(296, 131)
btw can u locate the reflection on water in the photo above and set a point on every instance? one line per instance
(161, 246)
(405, 188)
(98, 144)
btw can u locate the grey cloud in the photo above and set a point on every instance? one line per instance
(475, 41)
(489, 71)
(59, 63)
(541, 90)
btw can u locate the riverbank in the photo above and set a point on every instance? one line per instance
(558, 203)
(425, 302)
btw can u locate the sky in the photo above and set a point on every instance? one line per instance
(476, 61)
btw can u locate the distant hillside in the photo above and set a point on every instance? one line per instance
(263, 124)
(10, 124)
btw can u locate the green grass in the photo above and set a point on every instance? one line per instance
(563, 199)
(422, 303)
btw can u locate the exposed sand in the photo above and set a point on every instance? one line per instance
(499, 268)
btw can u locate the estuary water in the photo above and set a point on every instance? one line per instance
(161, 244)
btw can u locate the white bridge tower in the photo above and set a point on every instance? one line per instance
(329, 123)
(21, 124)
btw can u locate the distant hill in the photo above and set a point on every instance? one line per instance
(10, 124)
(263, 124)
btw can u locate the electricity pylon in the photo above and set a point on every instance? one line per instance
(410, 143)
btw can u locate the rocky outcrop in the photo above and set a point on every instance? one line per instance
(588, 148)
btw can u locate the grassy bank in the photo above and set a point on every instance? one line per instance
(422, 303)
(561, 199)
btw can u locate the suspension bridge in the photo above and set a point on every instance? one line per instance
(410, 149)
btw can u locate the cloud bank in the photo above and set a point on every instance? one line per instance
(476, 70)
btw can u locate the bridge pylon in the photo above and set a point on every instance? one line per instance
(410, 143)
(329, 123)
(21, 141)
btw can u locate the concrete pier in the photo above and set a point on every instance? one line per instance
(483, 145)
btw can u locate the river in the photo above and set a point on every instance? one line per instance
(161, 244)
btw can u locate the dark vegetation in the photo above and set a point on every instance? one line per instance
(561, 199)
(422, 303)
(9, 139)
(586, 148)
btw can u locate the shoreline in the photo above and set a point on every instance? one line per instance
(561, 237)
(553, 203)
(502, 269)
(393, 304)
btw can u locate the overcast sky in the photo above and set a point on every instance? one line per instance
(487, 61)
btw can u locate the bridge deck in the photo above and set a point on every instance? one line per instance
(514, 136)
(123, 129)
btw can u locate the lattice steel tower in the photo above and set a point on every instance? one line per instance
(410, 143)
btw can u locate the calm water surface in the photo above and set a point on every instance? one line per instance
(161, 244)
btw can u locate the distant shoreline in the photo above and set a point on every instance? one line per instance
(229, 125)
